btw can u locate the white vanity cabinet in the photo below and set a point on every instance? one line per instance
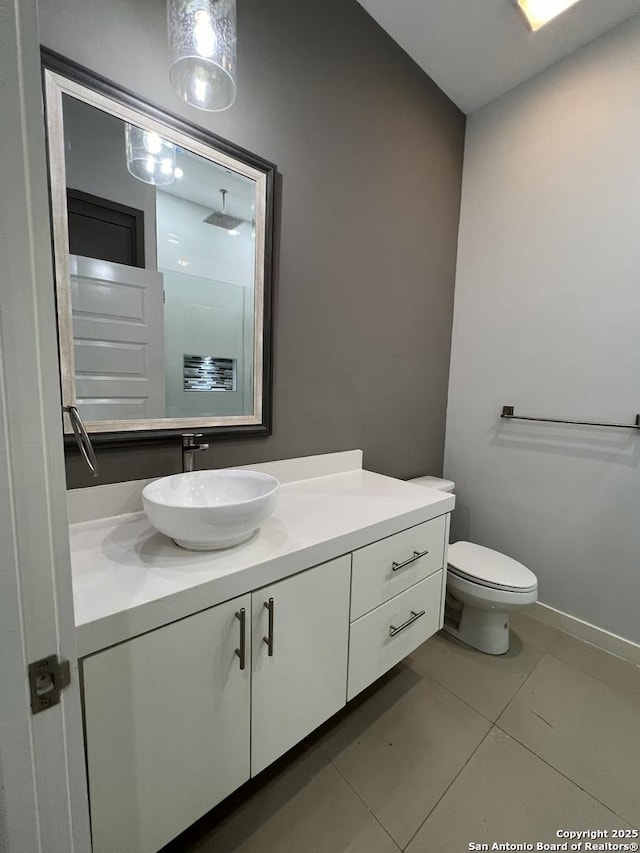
(167, 714)
(299, 667)
(167, 729)
(345, 581)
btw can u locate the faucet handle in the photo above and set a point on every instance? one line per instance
(190, 446)
(190, 441)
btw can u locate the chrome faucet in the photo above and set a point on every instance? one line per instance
(191, 446)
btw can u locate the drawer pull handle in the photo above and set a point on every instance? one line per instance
(416, 556)
(269, 638)
(393, 630)
(241, 615)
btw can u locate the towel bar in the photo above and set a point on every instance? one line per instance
(507, 412)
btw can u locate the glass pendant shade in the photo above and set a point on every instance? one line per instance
(202, 51)
(150, 158)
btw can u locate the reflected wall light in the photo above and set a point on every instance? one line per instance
(540, 12)
(150, 158)
(202, 52)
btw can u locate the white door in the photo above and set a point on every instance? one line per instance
(300, 676)
(167, 728)
(118, 333)
(43, 806)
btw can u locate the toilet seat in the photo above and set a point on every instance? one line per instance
(489, 568)
(483, 597)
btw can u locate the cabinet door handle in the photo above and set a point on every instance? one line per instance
(269, 638)
(416, 556)
(241, 615)
(393, 630)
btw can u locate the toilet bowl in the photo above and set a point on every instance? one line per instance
(483, 587)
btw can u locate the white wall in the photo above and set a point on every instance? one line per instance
(209, 251)
(547, 319)
(206, 317)
(208, 304)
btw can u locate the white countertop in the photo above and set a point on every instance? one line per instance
(128, 578)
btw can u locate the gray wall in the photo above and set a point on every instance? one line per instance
(547, 319)
(370, 154)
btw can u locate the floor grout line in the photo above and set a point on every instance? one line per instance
(526, 678)
(444, 793)
(560, 773)
(424, 676)
(540, 757)
(468, 704)
(373, 814)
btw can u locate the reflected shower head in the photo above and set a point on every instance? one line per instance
(222, 219)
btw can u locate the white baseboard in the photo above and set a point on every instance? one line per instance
(605, 640)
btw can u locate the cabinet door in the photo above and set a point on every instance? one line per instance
(167, 728)
(304, 680)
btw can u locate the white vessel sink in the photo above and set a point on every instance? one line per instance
(207, 510)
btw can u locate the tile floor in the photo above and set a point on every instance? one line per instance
(450, 748)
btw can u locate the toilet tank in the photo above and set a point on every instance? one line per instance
(434, 483)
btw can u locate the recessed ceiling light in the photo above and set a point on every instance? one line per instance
(540, 12)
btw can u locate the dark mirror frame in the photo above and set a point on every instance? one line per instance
(79, 74)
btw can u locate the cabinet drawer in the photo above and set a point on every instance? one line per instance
(391, 565)
(386, 635)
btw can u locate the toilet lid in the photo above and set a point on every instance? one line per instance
(488, 567)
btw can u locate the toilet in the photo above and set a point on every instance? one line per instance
(483, 587)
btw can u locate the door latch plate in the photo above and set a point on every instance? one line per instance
(47, 679)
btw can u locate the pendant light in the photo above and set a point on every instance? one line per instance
(150, 158)
(202, 52)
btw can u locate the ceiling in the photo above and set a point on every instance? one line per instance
(202, 181)
(475, 50)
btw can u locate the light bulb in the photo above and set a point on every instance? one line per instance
(200, 90)
(178, 173)
(152, 143)
(204, 35)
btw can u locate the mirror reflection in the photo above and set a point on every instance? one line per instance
(162, 246)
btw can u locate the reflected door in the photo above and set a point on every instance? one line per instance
(118, 334)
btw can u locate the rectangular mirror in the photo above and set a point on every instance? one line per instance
(163, 249)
